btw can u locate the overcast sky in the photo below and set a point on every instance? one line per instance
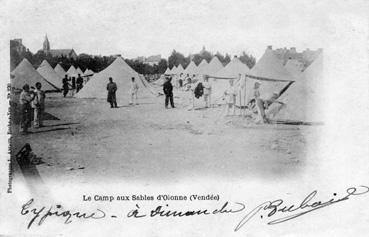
(144, 28)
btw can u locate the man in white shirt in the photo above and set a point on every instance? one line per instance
(230, 97)
(259, 104)
(133, 92)
(190, 88)
(207, 92)
(25, 99)
(38, 104)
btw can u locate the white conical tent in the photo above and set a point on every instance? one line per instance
(79, 71)
(49, 74)
(24, 73)
(202, 67)
(304, 98)
(190, 69)
(270, 67)
(85, 73)
(72, 72)
(88, 72)
(170, 70)
(314, 72)
(167, 72)
(213, 67)
(179, 69)
(294, 67)
(268, 71)
(233, 70)
(91, 72)
(60, 70)
(121, 73)
(174, 70)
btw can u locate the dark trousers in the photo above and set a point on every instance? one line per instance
(112, 99)
(65, 91)
(113, 104)
(169, 97)
(26, 116)
(79, 87)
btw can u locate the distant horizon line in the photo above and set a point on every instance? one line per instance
(189, 54)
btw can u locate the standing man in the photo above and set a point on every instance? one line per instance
(79, 82)
(133, 91)
(207, 91)
(73, 85)
(180, 81)
(25, 99)
(65, 85)
(190, 89)
(168, 92)
(230, 97)
(38, 104)
(112, 88)
(259, 104)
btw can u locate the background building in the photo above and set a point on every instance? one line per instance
(69, 53)
(151, 60)
(305, 57)
(17, 45)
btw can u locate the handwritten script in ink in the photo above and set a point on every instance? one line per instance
(275, 211)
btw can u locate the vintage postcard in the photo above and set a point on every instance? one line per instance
(184, 118)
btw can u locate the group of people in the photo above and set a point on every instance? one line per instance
(32, 99)
(112, 88)
(193, 90)
(257, 105)
(32, 102)
(72, 83)
(203, 88)
(182, 80)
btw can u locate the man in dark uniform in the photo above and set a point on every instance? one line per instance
(168, 92)
(73, 80)
(79, 82)
(112, 88)
(65, 85)
(25, 99)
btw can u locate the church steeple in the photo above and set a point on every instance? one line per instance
(203, 49)
(46, 44)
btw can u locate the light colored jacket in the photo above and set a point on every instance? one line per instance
(134, 87)
(39, 100)
(25, 97)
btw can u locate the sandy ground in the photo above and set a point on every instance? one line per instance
(92, 142)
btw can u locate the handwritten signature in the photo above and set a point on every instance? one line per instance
(306, 206)
(272, 209)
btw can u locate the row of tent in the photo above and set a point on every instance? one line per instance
(301, 91)
(203, 68)
(51, 79)
(216, 69)
(122, 75)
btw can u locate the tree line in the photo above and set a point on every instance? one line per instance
(83, 61)
(177, 58)
(98, 63)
